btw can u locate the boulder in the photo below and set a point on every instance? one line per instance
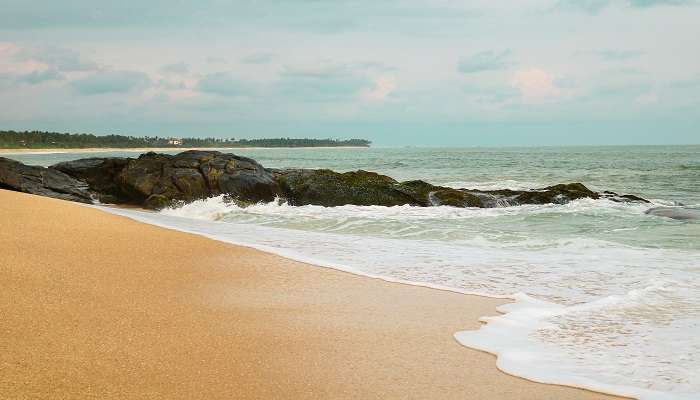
(100, 174)
(418, 190)
(157, 180)
(324, 187)
(557, 194)
(42, 181)
(454, 198)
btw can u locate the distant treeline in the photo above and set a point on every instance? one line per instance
(50, 140)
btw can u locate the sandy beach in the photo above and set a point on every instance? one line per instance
(99, 306)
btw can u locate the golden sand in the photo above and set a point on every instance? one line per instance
(95, 305)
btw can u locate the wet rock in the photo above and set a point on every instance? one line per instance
(454, 198)
(99, 173)
(417, 190)
(494, 200)
(622, 198)
(157, 202)
(157, 180)
(42, 181)
(329, 188)
(557, 194)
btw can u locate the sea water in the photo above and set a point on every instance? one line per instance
(605, 296)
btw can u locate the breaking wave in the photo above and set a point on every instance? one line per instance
(597, 302)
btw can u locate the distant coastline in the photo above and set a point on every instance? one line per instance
(48, 141)
(57, 150)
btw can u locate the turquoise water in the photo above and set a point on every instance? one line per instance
(607, 297)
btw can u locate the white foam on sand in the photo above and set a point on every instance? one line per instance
(600, 315)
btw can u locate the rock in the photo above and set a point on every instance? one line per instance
(99, 173)
(425, 194)
(678, 213)
(157, 202)
(622, 198)
(557, 194)
(328, 188)
(454, 198)
(418, 190)
(495, 198)
(42, 181)
(157, 180)
(190, 182)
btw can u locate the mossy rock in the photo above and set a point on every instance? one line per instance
(328, 188)
(557, 194)
(418, 190)
(454, 198)
(158, 202)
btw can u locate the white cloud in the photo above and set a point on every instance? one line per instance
(383, 87)
(7, 48)
(12, 63)
(535, 84)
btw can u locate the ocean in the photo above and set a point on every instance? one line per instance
(606, 297)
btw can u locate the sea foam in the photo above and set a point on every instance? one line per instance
(596, 304)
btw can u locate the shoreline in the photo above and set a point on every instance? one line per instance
(576, 383)
(195, 306)
(156, 149)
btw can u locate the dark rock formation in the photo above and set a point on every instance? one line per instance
(100, 174)
(328, 188)
(622, 198)
(42, 181)
(158, 180)
(557, 194)
(425, 194)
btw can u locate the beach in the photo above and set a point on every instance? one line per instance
(99, 306)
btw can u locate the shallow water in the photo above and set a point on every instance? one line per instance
(608, 297)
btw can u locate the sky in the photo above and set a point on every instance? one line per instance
(410, 72)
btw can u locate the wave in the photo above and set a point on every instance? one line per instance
(588, 311)
(588, 345)
(217, 208)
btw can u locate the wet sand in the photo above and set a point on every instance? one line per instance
(95, 305)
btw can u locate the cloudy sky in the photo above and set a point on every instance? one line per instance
(423, 72)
